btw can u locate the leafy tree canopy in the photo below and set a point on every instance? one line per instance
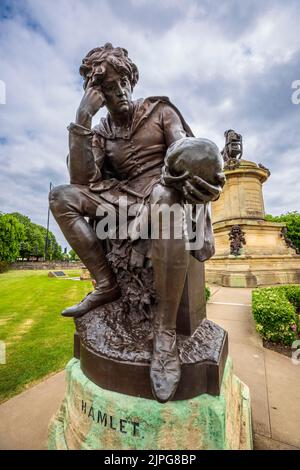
(12, 234)
(73, 256)
(32, 244)
(292, 221)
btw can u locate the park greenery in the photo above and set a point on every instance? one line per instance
(12, 233)
(35, 241)
(21, 239)
(276, 312)
(38, 340)
(207, 293)
(292, 221)
(73, 256)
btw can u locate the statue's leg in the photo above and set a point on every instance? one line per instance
(69, 205)
(170, 262)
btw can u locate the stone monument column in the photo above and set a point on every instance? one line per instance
(243, 196)
(250, 251)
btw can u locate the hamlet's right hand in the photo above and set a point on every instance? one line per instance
(92, 100)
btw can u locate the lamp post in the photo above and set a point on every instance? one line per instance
(47, 232)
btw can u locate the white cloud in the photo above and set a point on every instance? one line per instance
(189, 59)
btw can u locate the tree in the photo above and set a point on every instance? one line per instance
(34, 242)
(65, 255)
(292, 221)
(73, 256)
(12, 234)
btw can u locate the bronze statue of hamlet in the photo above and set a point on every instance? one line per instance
(143, 151)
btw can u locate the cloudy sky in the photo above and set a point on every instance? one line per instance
(226, 64)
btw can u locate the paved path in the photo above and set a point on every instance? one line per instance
(273, 379)
(24, 419)
(274, 383)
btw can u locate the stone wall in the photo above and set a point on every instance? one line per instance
(47, 265)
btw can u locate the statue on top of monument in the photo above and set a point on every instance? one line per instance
(144, 151)
(233, 150)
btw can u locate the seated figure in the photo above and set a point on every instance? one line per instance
(124, 156)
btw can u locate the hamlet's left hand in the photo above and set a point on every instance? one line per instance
(198, 191)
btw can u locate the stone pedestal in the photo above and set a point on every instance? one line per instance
(93, 418)
(263, 255)
(85, 275)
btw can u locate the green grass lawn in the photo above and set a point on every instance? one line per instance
(38, 340)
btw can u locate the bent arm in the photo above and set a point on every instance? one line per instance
(83, 167)
(172, 125)
(81, 159)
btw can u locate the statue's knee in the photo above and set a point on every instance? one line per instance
(164, 195)
(166, 212)
(59, 197)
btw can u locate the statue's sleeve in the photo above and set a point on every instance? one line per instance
(172, 125)
(84, 160)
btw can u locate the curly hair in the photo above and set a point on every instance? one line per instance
(93, 64)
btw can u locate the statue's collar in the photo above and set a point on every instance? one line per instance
(142, 108)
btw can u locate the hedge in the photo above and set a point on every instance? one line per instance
(275, 310)
(207, 293)
(4, 266)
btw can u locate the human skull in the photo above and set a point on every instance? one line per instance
(194, 166)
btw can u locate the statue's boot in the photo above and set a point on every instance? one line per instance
(165, 368)
(106, 290)
(170, 262)
(64, 203)
(92, 300)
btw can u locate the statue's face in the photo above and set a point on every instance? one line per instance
(117, 91)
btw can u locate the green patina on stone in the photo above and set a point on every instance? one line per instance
(93, 418)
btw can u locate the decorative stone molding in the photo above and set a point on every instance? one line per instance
(232, 164)
(264, 168)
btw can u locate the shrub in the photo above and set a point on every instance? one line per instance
(207, 293)
(275, 310)
(4, 266)
(292, 221)
(292, 293)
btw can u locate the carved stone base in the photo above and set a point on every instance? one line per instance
(253, 271)
(265, 258)
(93, 418)
(202, 356)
